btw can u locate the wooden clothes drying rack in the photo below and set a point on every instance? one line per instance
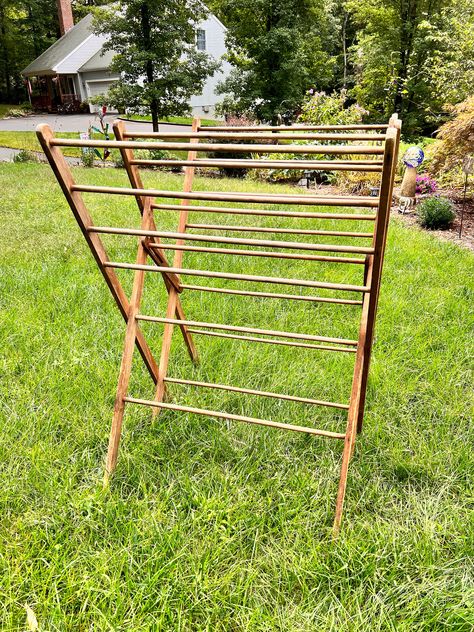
(376, 151)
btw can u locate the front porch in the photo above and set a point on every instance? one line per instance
(54, 93)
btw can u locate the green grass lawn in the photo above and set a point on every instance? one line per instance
(29, 141)
(227, 528)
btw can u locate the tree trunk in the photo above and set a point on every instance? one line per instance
(149, 70)
(154, 115)
(344, 50)
(409, 19)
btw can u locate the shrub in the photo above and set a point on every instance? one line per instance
(320, 108)
(455, 139)
(25, 155)
(436, 213)
(425, 185)
(16, 113)
(87, 157)
(356, 181)
(233, 172)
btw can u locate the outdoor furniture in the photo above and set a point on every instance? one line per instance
(375, 150)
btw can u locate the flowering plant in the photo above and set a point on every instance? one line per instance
(425, 185)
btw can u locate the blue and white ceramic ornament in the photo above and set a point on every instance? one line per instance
(413, 157)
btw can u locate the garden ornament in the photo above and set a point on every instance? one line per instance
(412, 159)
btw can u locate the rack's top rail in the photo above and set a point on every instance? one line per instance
(277, 128)
(235, 133)
(225, 147)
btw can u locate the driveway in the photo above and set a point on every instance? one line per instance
(75, 123)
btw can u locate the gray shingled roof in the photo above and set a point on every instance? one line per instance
(47, 62)
(99, 61)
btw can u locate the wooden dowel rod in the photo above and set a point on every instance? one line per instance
(225, 147)
(329, 165)
(272, 341)
(220, 415)
(289, 231)
(272, 254)
(248, 330)
(279, 128)
(266, 213)
(241, 277)
(293, 297)
(267, 243)
(204, 133)
(270, 198)
(250, 391)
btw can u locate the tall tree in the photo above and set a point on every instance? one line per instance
(27, 28)
(279, 49)
(156, 56)
(401, 46)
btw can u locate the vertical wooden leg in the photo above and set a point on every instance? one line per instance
(127, 357)
(349, 444)
(173, 299)
(353, 414)
(157, 255)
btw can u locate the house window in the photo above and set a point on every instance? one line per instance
(201, 39)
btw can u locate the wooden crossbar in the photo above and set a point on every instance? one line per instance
(213, 274)
(203, 133)
(227, 147)
(328, 165)
(294, 245)
(251, 391)
(310, 200)
(376, 147)
(221, 415)
(304, 127)
(266, 213)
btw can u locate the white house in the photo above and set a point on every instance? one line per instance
(74, 69)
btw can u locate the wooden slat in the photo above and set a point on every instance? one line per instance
(266, 243)
(292, 297)
(272, 341)
(226, 147)
(271, 254)
(221, 415)
(328, 165)
(298, 126)
(269, 198)
(211, 274)
(250, 391)
(267, 213)
(271, 229)
(250, 330)
(234, 133)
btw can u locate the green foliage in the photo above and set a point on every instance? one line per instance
(156, 56)
(455, 139)
(435, 213)
(27, 28)
(400, 57)
(279, 50)
(329, 109)
(87, 157)
(25, 155)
